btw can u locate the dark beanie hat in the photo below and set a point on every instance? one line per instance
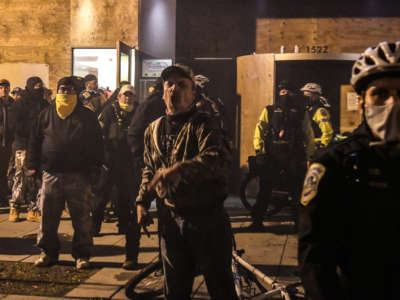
(4, 82)
(286, 85)
(32, 81)
(89, 77)
(70, 81)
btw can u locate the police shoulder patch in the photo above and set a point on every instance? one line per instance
(310, 189)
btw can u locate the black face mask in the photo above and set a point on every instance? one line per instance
(37, 93)
(283, 102)
(311, 101)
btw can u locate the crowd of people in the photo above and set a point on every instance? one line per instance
(172, 148)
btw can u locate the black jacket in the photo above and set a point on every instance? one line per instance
(6, 121)
(114, 124)
(70, 145)
(26, 111)
(148, 111)
(348, 220)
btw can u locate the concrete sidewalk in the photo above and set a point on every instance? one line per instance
(274, 252)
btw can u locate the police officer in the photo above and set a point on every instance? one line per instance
(186, 169)
(349, 222)
(318, 108)
(283, 141)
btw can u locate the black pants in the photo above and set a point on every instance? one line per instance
(122, 178)
(283, 171)
(197, 244)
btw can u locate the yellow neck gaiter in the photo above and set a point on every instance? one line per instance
(65, 105)
(125, 106)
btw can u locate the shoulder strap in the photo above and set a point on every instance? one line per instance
(117, 113)
(155, 129)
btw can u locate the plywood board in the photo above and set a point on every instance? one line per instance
(255, 81)
(341, 35)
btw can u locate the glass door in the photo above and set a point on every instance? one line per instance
(124, 63)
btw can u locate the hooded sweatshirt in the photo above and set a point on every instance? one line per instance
(26, 111)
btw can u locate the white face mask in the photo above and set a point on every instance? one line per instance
(376, 117)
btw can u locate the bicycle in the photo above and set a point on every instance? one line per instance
(249, 188)
(155, 281)
(249, 282)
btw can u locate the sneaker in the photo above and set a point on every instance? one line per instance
(82, 263)
(14, 215)
(45, 260)
(130, 264)
(34, 216)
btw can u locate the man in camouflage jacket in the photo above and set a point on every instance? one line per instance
(186, 168)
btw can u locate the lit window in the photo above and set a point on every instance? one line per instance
(99, 62)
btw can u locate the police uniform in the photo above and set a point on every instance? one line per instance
(286, 136)
(348, 223)
(321, 125)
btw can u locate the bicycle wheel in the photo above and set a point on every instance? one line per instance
(250, 180)
(150, 286)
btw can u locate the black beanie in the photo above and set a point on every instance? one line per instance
(68, 81)
(89, 77)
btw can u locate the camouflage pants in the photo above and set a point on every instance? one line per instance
(24, 189)
(74, 190)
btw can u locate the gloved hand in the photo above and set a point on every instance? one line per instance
(319, 145)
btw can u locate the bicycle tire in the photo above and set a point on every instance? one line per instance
(243, 198)
(134, 281)
(242, 191)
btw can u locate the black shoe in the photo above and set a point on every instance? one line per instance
(130, 264)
